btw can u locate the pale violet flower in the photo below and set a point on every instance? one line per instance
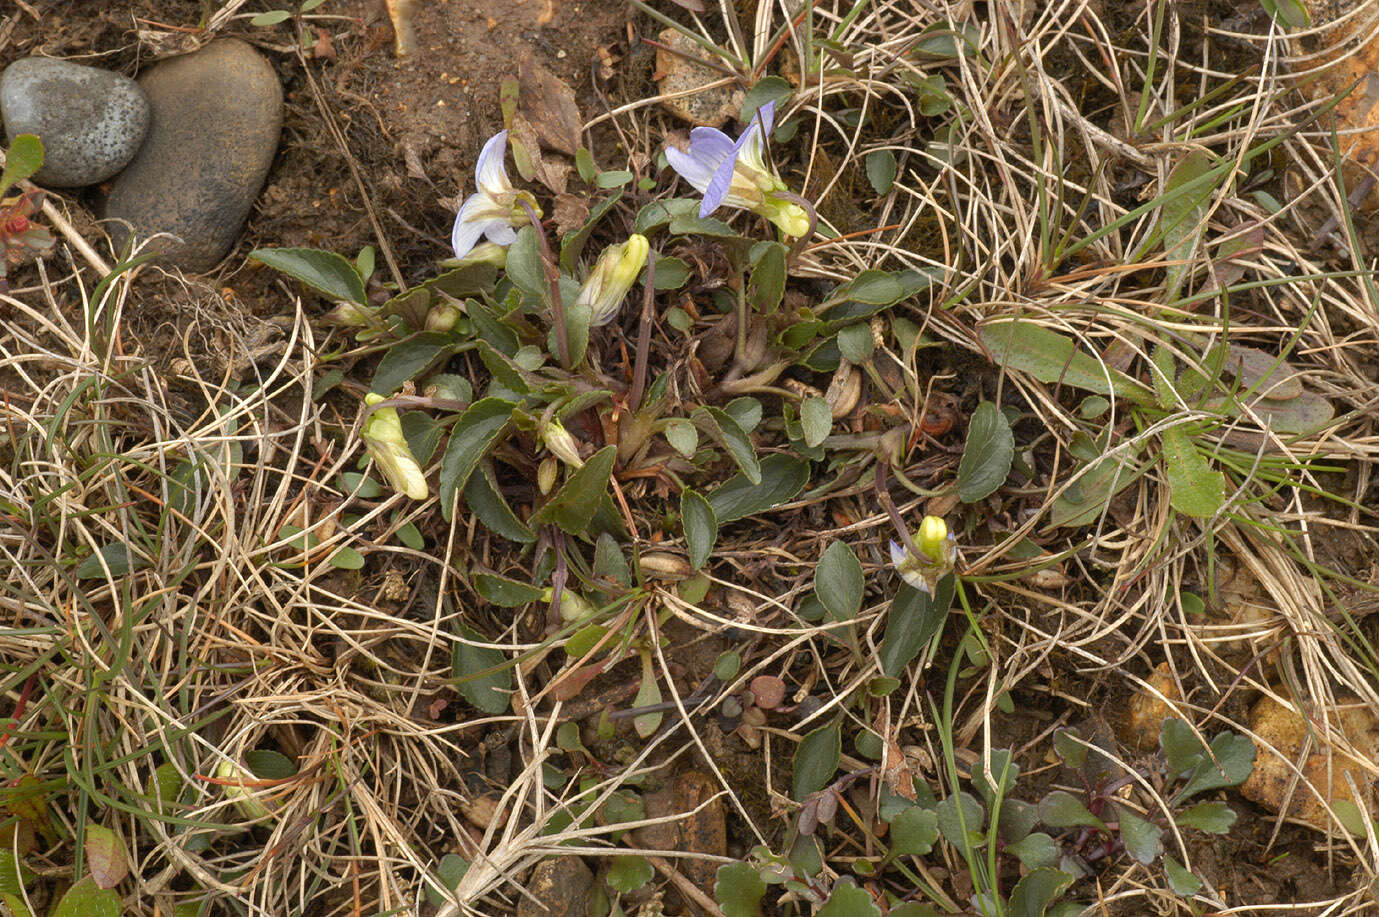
(607, 284)
(495, 208)
(736, 173)
(938, 552)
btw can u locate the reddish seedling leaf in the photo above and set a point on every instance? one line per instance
(768, 691)
(106, 856)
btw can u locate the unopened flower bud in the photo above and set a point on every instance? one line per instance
(938, 553)
(243, 796)
(611, 278)
(561, 444)
(387, 446)
(573, 606)
(350, 315)
(933, 532)
(442, 317)
(546, 474)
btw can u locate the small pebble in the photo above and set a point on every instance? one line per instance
(217, 116)
(91, 121)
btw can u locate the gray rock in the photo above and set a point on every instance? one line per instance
(91, 121)
(217, 115)
(560, 888)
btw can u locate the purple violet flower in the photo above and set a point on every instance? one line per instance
(736, 173)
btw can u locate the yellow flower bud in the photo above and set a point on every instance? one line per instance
(933, 532)
(546, 474)
(350, 315)
(561, 444)
(611, 278)
(243, 796)
(442, 317)
(387, 446)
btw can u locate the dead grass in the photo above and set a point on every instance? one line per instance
(225, 640)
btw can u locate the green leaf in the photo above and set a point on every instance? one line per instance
(881, 170)
(267, 764)
(1061, 809)
(410, 536)
(782, 477)
(1291, 14)
(504, 592)
(960, 818)
(1038, 889)
(722, 427)
(746, 411)
(816, 417)
(346, 558)
(272, 17)
(915, 617)
(987, 457)
(1143, 839)
(766, 285)
(609, 561)
(1179, 879)
(1086, 499)
(330, 274)
(1211, 817)
(648, 695)
(575, 503)
(22, 159)
(682, 436)
(1235, 755)
(119, 557)
(726, 666)
(913, 832)
(1036, 850)
(614, 178)
(671, 273)
(463, 281)
(584, 164)
(525, 266)
(1053, 358)
(1181, 217)
(473, 434)
(488, 692)
(449, 871)
(409, 359)
(700, 525)
(767, 89)
(739, 889)
(838, 581)
(847, 900)
(629, 873)
(873, 287)
(106, 856)
(87, 899)
(485, 501)
(856, 343)
(816, 759)
(1193, 488)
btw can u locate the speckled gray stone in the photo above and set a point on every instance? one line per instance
(91, 121)
(217, 115)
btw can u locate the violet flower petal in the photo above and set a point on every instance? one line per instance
(490, 174)
(500, 232)
(467, 230)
